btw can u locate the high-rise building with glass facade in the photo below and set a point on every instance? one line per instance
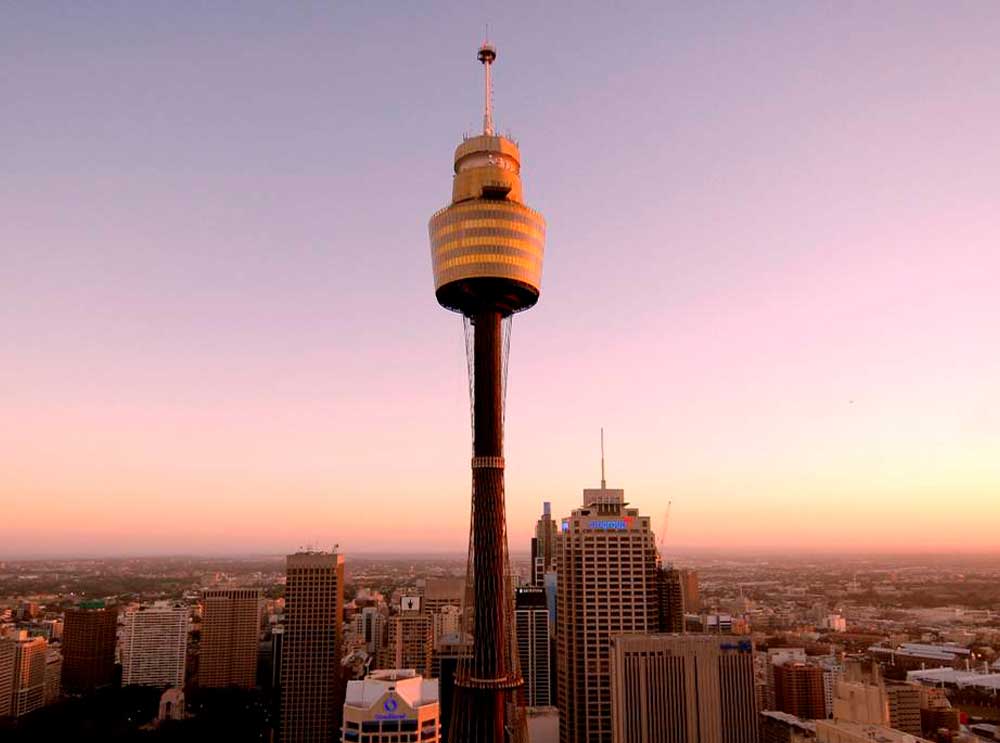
(531, 621)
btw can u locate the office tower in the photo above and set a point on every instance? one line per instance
(311, 652)
(775, 658)
(543, 546)
(669, 600)
(154, 645)
(682, 689)
(230, 633)
(904, 708)
(8, 650)
(277, 646)
(486, 251)
(390, 706)
(28, 678)
(442, 592)
(53, 675)
(606, 586)
(372, 622)
(88, 647)
(444, 663)
(690, 589)
(534, 645)
(798, 690)
(410, 642)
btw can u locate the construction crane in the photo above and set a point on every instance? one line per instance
(663, 532)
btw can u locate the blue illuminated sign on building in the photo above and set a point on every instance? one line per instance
(618, 524)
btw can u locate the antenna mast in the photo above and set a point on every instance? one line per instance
(487, 55)
(604, 484)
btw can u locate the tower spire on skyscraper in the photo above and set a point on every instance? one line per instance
(604, 483)
(486, 251)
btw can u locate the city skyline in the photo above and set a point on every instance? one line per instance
(772, 249)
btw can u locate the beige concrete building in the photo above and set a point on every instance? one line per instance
(606, 555)
(311, 650)
(410, 642)
(230, 632)
(674, 688)
(154, 645)
(856, 701)
(442, 592)
(391, 706)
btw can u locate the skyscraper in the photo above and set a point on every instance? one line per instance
(154, 645)
(53, 675)
(23, 662)
(230, 632)
(798, 690)
(88, 647)
(606, 586)
(310, 656)
(543, 545)
(534, 645)
(690, 589)
(7, 652)
(682, 689)
(669, 600)
(486, 250)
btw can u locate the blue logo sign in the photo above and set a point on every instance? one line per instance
(391, 705)
(616, 524)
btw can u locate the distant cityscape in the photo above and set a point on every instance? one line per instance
(597, 630)
(618, 641)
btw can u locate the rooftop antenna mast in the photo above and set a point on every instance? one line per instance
(604, 483)
(487, 55)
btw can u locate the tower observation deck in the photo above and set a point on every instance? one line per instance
(486, 253)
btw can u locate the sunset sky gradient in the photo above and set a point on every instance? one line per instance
(772, 272)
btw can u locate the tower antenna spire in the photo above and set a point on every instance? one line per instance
(487, 55)
(604, 484)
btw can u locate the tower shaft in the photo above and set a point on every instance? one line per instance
(489, 531)
(487, 681)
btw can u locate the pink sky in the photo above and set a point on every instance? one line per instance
(772, 274)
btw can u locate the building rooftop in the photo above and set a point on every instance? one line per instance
(790, 720)
(415, 690)
(960, 679)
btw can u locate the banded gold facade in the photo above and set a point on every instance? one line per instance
(481, 238)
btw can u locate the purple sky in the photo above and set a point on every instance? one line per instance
(772, 272)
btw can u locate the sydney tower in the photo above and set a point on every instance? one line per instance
(486, 250)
